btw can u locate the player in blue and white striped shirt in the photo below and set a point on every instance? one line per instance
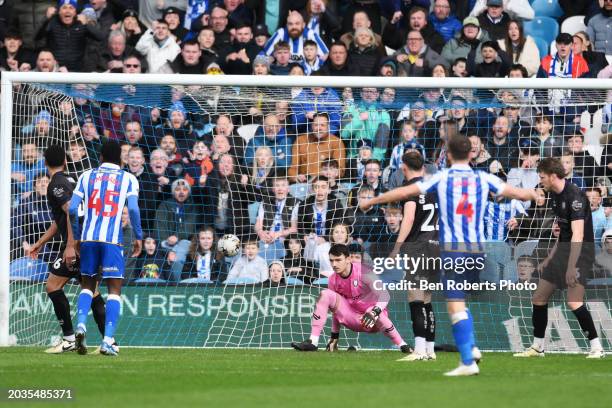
(105, 192)
(462, 201)
(295, 34)
(497, 215)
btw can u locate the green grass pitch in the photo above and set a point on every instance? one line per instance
(284, 378)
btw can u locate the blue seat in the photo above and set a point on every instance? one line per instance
(247, 280)
(253, 210)
(544, 27)
(547, 8)
(26, 268)
(290, 280)
(542, 46)
(299, 190)
(149, 280)
(196, 280)
(321, 282)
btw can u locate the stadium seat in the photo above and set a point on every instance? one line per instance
(196, 280)
(321, 282)
(149, 280)
(525, 248)
(542, 46)
(26, 268)
(299, 190)
(572, 25)
(290, 280)
(253, 210)
(546, 28)
(247, 280)
(547, 8)
(247, 132)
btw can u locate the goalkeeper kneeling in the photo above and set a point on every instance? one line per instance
(354, 303)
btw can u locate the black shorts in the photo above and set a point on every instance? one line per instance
(428, 253)
(555, 274)
(59, 268)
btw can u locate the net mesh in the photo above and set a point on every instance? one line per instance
(231, 144)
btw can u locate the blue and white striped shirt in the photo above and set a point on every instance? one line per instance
(462, 202)
(497, 216)
(105, 191)
(296, 45)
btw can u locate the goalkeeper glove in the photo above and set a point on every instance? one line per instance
(332, 345)
(368, 320)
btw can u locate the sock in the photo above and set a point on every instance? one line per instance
(113, 308)
(539, 319)
(430, 347)
(418, 314)
(99, 313)
(472, 336)
(430, 336)
(327, 299)
(62, 312)
(538, 343)
(314, 340)
(83, 306)
(586, 322)
(595, 344)
(385, 325)
(419, 345)
(462, 332)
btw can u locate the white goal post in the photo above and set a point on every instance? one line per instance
(9, 79)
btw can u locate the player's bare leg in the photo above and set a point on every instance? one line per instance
(539, 318)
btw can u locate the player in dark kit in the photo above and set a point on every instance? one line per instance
(569, 263)
(419, 238)
(66, 267)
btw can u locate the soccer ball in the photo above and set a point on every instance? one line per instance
(228, 245)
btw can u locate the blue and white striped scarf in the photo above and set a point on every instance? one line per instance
(195, 8)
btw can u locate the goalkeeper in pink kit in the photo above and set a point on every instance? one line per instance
(354, 303)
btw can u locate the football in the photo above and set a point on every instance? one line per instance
(228, 245)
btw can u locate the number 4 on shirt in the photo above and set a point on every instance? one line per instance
(94, 202)
(465, 208)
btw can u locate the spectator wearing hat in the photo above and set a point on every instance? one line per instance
(131, 26)
(172, 16)
(416, 58)
(599, 29)
(159, 48)
(189, 61)
(467, 42)
(14, 57)
(493, 19)
(444, 22)
(516, 9)
(388, 68)
(261, 34)
(176, 220)
(67, 34)
(564, 64)
(151, 11)
(239, 56)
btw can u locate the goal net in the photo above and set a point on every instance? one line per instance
(282, 164)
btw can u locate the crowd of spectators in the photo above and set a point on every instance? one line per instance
(293, 184)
